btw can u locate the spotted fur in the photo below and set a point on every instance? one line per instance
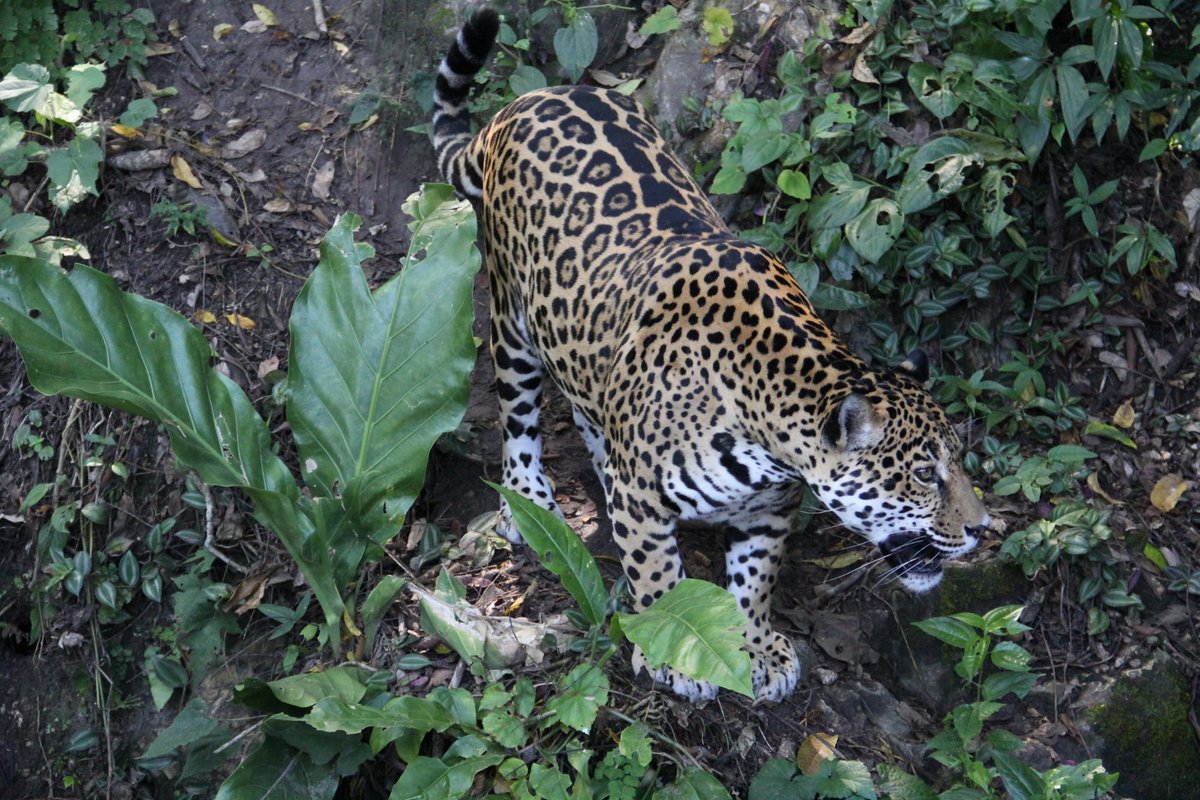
(703, 382)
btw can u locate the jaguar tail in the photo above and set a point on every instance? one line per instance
(451, 118)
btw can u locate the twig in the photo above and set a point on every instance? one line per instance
(319, 14)
(240, 736)
(1141, 339)
(291, 94)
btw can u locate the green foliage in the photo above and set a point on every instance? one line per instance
(81, 336)
(561, 552)
(1078, 533)
(45, 32)
(36, 112)
(575, 44)
(1055, 472)
(780, 780)
(665, 20)
(699, 631)
(179, 216)
(943, 232)
(329, 723)
(992, 667)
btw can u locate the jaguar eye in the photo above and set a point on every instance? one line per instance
(925, 475)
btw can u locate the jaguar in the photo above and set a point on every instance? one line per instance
(703, 383)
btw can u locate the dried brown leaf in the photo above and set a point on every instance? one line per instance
(815, 750)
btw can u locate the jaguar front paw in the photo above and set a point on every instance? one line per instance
(775, 668)
(690, 688)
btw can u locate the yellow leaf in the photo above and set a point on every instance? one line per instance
(342, 49)
(348, 621)
(159, 49)
(245, 323)
(221, 238)
(265, 14)
(124, 130)
(183, 171)
(1167, 492)
(1124, 416)
(221, 31)
(205, 316)
(815, 750)
(1094, 484)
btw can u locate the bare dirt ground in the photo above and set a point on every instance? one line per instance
(262, 117)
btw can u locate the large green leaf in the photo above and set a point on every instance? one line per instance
(576, 44)
(82, 336)
(434, 779)
(697, 628)
(276, 771)
(375, 378)
(561, 552)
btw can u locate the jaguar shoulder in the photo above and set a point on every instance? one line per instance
(703, 382)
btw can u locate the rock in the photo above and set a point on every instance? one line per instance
(1137, 723)
(920, 666)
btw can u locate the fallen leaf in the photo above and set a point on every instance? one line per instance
(278, 206)
(221, 238)
(245, 323)
(341, 48)
(267, 366)
(1124, 416)
(203, 109)
(861, 72)
(265, 14)
(1167, 491)
(248, 593)
(205, 316)
(1154, 556)
(1093, 483)
(175, 28)
(182, 170)
(221, 30)
(604, 77)
(322, 181)
(245, 144)
(124, 130)
(254, 26)
(859, 34)
(255, 175)
(1097, 428)
(348, 621)
(814, 750)
(159, 49)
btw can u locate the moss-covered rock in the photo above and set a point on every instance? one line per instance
(920, 666)
(1139, 726)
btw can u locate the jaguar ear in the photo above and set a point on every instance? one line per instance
(916, 365)
(854, 424)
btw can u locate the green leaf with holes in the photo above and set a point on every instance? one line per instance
(560, 551)
(873, 232)
(697, 628)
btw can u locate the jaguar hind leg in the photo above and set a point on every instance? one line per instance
(520, 377)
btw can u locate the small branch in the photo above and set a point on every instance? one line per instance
(319, 15)
(291, 94)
